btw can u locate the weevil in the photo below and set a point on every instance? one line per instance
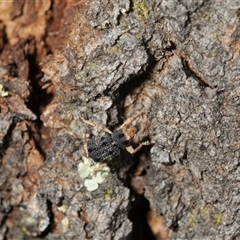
(108, 145)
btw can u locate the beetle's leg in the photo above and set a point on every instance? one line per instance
(100, 167)
(101, 128)
(146, 143)
(131, 150)
(85, 149)
(129, 120)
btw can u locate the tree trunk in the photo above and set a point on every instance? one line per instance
(74, 70)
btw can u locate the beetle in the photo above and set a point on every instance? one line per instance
(103, 147)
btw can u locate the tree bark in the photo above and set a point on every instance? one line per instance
(106, 61)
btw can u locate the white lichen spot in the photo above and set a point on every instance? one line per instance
(3, 93)
(43, 223)
(65, 223)
(63, 208)
(91, 184)
(95, 172)
(123, 10)
(84, 167)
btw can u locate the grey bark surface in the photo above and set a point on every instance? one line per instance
(178, 61)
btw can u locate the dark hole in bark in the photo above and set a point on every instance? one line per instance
(137, 214)
(39, 98)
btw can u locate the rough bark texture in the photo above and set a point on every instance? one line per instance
(178, 61)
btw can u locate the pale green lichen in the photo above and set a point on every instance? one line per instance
(91, 184)
(25, 231)
(191, 221)
(215, 35)
(114, 49)
(218, 218)
(95, 173)
(125, 25)
(213, 54)
(207, 17)
(196, 109)
(204, 211)
(3, 93)
(84, 167)
(141, 10)
(109, 193)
